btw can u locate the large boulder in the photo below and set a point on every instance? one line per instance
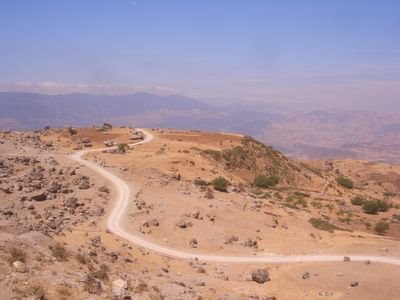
(120, 288)
(84, 185)
(39, 197)
(181, 223)
(260, 275)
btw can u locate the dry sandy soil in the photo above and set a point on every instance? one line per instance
(167, 195)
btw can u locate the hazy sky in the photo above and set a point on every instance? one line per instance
(292, 51)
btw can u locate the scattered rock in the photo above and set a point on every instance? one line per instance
(230, 239)
(54, 188)
(250, 243)
(104, 189)
(193, 243)
(354, 283)
(260, 275)
(71, 202)
(183, 224)
(39, 197)
(306, 275)
(20, 267)
(199, 283)
(92, 285)
(120, 288)
(195, 214)
(84, 185)
(325, 293)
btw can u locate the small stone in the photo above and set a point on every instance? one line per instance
(354, 283)
(193, 243)
(306, 275)
(346, 258)
(104, 189)
(20, 267)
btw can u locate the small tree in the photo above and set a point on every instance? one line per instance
(370, 207)
(345, 182)
(381, 227)
(375, 206)
(264, 181)
(220, 184)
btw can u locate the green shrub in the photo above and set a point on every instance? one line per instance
(383, 205)
(389, 194)
(316, 204)
(375, 206)
(239, 152)
(215, 154)
(358, 200)
(381, 227)
(220, 184)
(323, 225)
(345, 182)
(264, 181)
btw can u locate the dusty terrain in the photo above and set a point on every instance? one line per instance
(173, 203)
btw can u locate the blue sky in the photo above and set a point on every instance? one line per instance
(255, 50)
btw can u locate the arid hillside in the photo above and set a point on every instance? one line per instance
(199, 193)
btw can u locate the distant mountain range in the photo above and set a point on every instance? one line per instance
(315, 134)
(33, 111)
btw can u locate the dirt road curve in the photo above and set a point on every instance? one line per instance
(116, 222)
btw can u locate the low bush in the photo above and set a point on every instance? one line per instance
(200, 182)
(264, 181)
(345, 182)
(358, 200)
(323, 225)
(220, 184)
(375, 206)
(381, 227)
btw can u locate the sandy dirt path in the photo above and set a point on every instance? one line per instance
(115, 224)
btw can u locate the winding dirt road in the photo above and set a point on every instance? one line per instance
(116, 225)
